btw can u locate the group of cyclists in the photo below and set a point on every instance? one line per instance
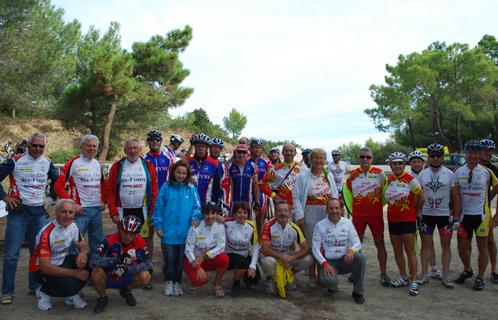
(263, 218)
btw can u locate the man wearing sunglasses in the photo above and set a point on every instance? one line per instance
(362, 194)
(29, 173)
(473, 182)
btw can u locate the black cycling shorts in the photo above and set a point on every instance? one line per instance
(401, 228)
(429, 224)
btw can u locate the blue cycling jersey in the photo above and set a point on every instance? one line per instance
(241, 178)
(207, 177)
(263, 165)
(162, 163)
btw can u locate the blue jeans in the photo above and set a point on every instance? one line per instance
(25, 221)
(173, 255)
(91, 222)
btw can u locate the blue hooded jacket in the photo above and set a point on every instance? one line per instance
(177, 205)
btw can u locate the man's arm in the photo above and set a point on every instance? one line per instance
(317, 246)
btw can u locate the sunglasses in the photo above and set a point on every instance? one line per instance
(155, 140)
(241, 152)
(435, 156)
(365, 157)
(34, 145)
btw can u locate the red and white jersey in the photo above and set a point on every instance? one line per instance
(54, 241)
(279, 178)
(281, 239)
(85, 181)
(133, 185)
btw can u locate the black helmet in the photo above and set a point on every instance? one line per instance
(256, 141)
(487, 144)
(218, 142)
(335, 152)
(201, 138)
(436, 149)
(176, 138)
(154, 134)
(416, 155)
(472, 145)
(306, 151)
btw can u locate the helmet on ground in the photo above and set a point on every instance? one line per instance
(256, 141)
(336, 152)
(131, 224)
(201, 138)
(487, 144)
(306, 151)
(472, 145)
(416, 155)
(218, 142)
(397, 156)
(176, 138)
(154, 134)
(435, 148)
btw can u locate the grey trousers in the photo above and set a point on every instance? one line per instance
(356, 268)
(269, 263)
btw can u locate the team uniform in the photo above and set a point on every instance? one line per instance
(87, 188)
(339, 171)
(437, 190)
(241, 182)
(263, 165)
(400, 193)
(474, 186)
(55, 242)
(242, 244)
(120, 275)
(362, 194)
(206, 175)
(162, 163)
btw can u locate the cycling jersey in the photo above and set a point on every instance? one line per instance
(54, 241)
(28, 178)
(204, 238)
(206, 176)
(241, 181)
(242, 239)
(263, 164)
(334, 240)
(112, 247)
(170, 153)
(363, 192)
(474, 188)
(493, 169)
(339, 171)
(437, 190)
(279, 181)
(225, 195)
(162, 163)
(400, 193)
(282, 239)
(85, 180)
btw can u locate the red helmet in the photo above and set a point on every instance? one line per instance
(131, 224)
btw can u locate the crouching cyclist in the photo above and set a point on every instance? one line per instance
(122, 261)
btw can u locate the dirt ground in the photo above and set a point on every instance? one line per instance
(433, 301)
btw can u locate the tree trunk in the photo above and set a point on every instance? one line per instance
(439, 125)
(107, 129)
(94, 118)
(412, 134)
(458, 133)
(14, 114)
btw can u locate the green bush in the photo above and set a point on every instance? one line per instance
(61, 155)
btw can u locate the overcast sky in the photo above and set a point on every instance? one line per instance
(297, 69)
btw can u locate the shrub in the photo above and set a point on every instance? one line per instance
(61, 155)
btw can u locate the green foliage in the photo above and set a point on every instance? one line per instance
(62, 155)
(381, 150)
(235, 122)
(445, 94)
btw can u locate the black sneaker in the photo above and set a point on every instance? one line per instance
(236, 291)
(494, 277)
(351, 279)
(478, 284)
(464, 276)
(358, 298)
(101, 304)
(130, 299)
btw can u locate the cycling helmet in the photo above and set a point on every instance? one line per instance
(416, 155)
(256, 141)
(176, 138)
(131, 224)
(218, 142)
(275, 149)
(21, 146)
(435, 148)
(201, 138)
(397, 156)
(472, 145)
(306, 151)
(154, 134)
(487, 144)
(336, 152)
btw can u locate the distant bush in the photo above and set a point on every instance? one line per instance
(61, 155)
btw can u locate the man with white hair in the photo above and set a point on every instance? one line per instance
(83, 174)
(61, 273)
(29, 175)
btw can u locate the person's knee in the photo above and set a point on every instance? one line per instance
(329, 282)
(307, 260)
(359, 258)
(98, 274)
(379, 243)
(268, 264)
(222, 261)
(144, 277)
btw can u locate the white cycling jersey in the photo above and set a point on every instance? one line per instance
(437, 190)
(204, 238)
(242, 239)
(339, 171)
(474, 187)
(87, 175)
(133, 185)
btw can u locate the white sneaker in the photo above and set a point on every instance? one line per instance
(177, 289)
(44, 303)
(436, 273)
(76, 301)
(168, 288)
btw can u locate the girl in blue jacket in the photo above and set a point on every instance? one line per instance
(177, 208)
